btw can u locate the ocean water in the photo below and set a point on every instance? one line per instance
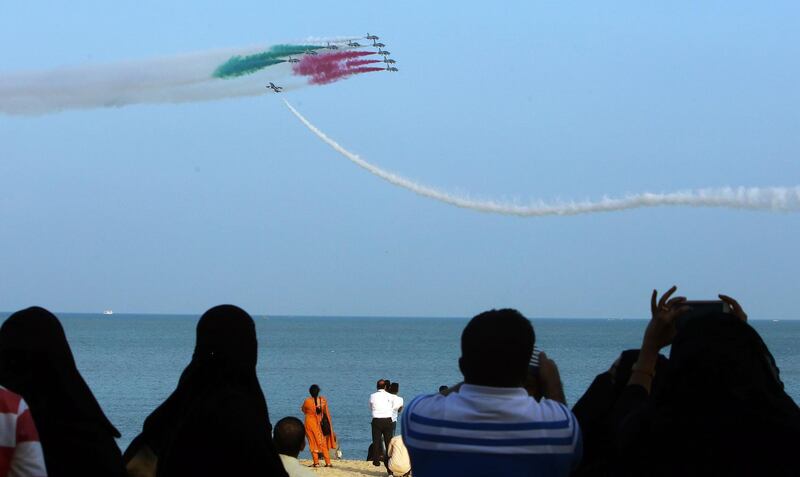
(132, 362)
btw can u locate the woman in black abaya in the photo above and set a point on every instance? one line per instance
(720, 408)
(37, 363)
(216, 421)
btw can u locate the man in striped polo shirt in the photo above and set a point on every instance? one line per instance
(489, 425)
(20, 450)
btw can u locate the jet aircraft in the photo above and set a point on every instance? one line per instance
(378, 45)
(310, 52)
(293, 60)
(353, 44)
(383, 52)
(272, 86)
(372, 37)
(331, 47)
(391, 68)
(388, 61)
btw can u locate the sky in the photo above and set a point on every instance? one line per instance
(175, 208)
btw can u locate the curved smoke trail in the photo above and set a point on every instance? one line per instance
(778, 199)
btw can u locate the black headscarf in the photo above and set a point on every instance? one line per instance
(721, 409)
(37, 363)
(218, 410)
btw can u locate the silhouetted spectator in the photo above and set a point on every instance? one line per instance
(216, 421)
(290, 440)
(36, 362)
(720, 408)
(598, 416)
(442, 389)
(489, 425)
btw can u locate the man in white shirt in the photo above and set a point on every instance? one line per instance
(383, 406)
(289, 439)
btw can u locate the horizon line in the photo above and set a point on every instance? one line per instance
(5, 314)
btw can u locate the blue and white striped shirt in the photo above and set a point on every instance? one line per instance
(488, 431)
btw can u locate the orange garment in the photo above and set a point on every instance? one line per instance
(317, 441)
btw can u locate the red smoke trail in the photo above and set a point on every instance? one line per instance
(355, 71)
(329, 67)
(341, 55)
(354, 63)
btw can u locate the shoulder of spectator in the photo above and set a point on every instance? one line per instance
(425, 403)
(552, 404)
(557, 411)
(598, 398)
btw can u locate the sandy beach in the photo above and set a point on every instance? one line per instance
(348, 468)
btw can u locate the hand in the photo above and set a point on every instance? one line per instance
(550, 379)
(661, 329)
(532, 386)
(736, 309)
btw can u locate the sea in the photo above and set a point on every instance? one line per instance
(132, 362)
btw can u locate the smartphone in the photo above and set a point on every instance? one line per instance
(533, 365)
(701, 308)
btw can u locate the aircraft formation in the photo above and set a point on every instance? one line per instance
(389, 62)
(350, 44)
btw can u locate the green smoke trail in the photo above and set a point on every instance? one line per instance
(245, 65)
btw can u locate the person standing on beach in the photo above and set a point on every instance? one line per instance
(394, 389)
(382, 405)
(315, 408)
(489, 425)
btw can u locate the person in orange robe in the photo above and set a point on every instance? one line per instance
(315, 407)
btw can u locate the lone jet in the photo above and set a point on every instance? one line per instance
(389, 61)
(331, 47)
(372, 37)
(383, 52)
(391, 68)
(379, 45)
(272, 86)
(293, 60)
(353, 44)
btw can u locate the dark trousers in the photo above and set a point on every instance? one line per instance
(381, 427)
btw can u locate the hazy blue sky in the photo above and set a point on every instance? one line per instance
(174, 208)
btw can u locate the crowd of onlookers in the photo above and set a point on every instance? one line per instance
(714, 406)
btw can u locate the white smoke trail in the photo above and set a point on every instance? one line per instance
(778, 199)
(175, 79)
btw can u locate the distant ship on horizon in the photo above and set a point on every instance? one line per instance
(108, 312)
